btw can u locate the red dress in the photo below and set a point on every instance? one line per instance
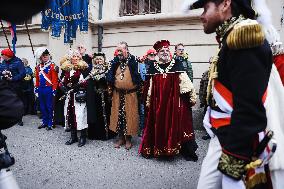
(168, 121)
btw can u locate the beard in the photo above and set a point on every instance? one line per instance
(165, 58)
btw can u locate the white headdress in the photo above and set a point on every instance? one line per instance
(264, 18)
(38, 54)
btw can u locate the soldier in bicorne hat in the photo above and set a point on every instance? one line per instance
(46, 81)
(238, 78)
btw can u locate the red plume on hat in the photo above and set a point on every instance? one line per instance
(7, 52)
(160, 44)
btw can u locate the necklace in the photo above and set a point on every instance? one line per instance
(164, 71)
(223, 29)
(123, 67)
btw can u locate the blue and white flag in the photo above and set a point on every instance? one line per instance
(67, 14)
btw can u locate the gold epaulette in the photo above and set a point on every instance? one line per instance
(246, 34)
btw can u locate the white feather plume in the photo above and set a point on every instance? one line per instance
(264, 19)
(186, 5)
(38, 53)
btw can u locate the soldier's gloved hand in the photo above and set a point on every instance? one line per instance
(53, 92)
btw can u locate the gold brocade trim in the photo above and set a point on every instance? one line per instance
(212, 75)
(161, 152)
(146, 151)
(165, 151)
(231, 166)
(246, 34)
(185, 135)
(224, 28)
(259, 178)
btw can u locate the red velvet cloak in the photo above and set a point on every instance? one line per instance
(168, 120)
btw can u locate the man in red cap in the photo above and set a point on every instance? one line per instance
(170, 94)
(12, 70)
(237, 89)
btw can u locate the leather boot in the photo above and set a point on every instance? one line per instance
(188, 150)
(73, 138)
(82, 140)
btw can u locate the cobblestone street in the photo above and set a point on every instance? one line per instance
(44, 161)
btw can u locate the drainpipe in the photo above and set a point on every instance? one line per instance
(100, 27)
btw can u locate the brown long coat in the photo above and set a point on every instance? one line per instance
(131, 103)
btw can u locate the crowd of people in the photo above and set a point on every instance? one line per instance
(150, 96)
(153, 96)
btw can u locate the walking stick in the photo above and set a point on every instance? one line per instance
(30, 38)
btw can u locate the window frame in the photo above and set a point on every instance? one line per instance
(141, 5)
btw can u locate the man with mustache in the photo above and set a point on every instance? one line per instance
(124, 80)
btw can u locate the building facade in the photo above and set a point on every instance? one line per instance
(138, 22)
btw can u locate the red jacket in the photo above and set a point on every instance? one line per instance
(45, 75)
(279, 63)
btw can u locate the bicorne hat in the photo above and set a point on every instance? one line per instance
(245, 6)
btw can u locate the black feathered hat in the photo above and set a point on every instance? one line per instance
(245, 6)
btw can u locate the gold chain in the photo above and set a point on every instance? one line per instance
(162, 71)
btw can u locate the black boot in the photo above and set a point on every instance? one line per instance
(21, 123)
(82, 140)
(73, 138)
(188, 150)
(42, 126)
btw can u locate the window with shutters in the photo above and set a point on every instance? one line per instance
(139, 7)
